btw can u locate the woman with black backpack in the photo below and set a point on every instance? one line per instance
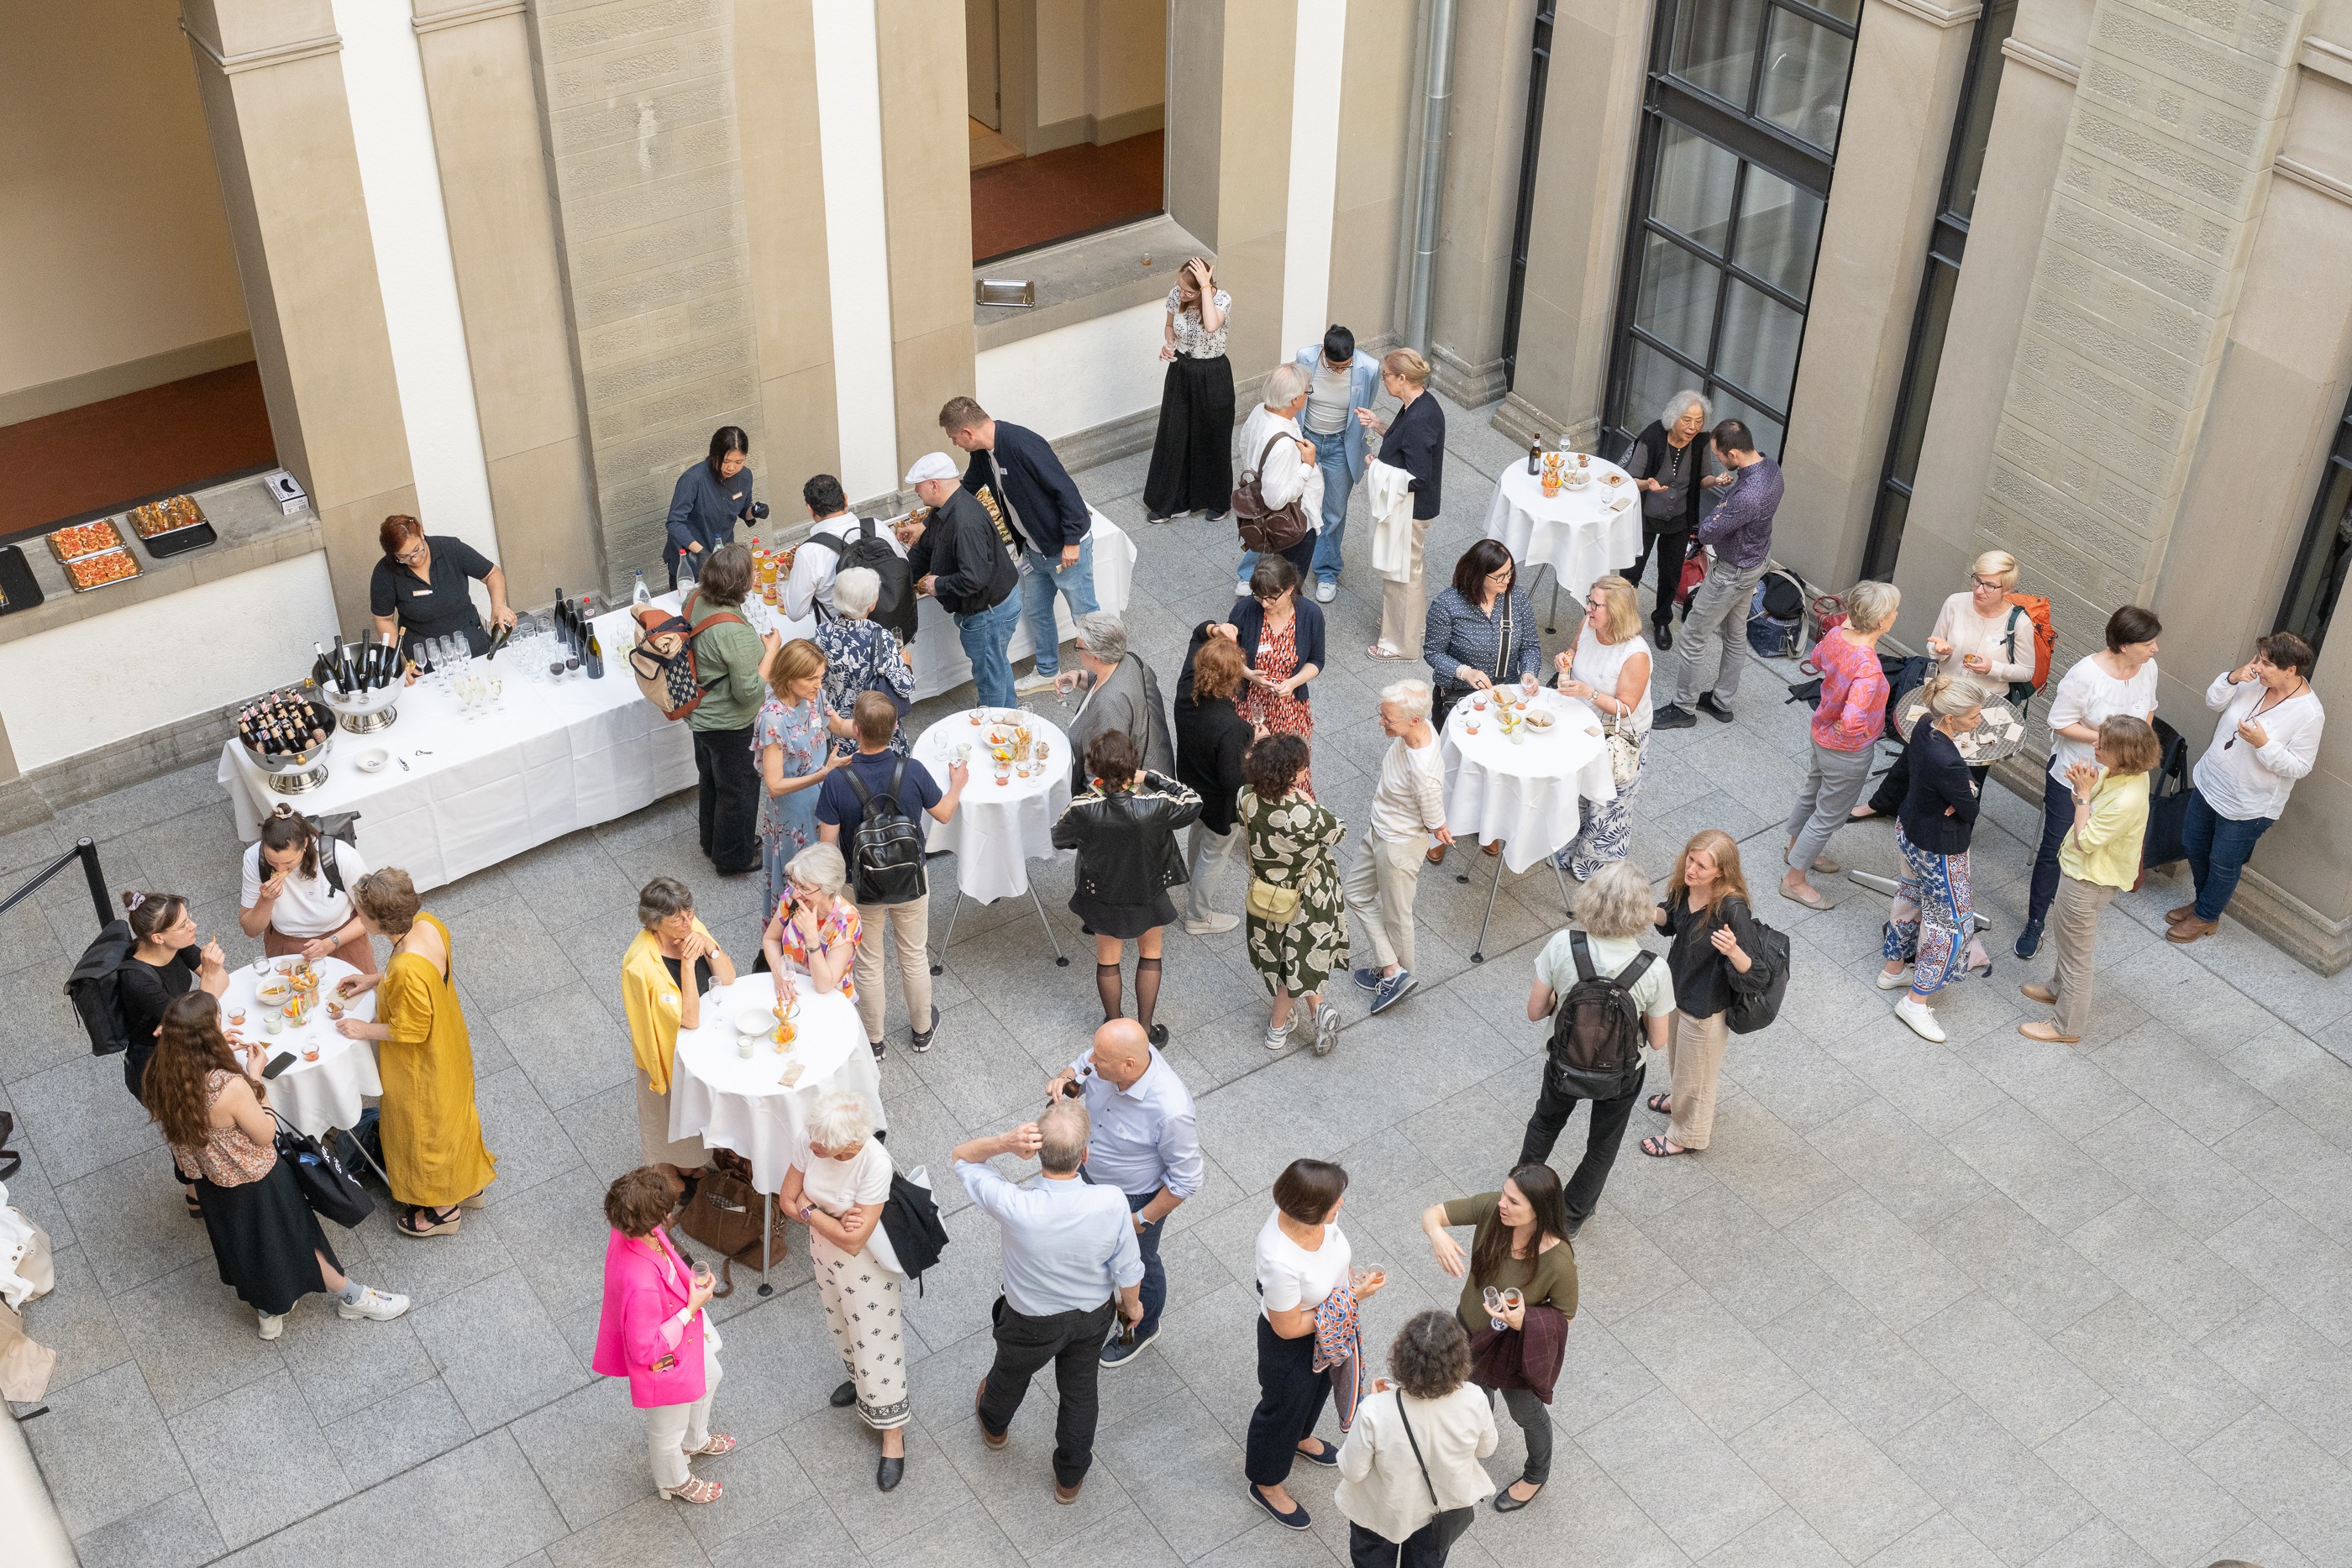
(1714, 959)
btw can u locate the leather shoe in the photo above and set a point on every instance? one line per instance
(1067, 1495)
(2190, 929)
(889, 1472)
(844, 1397)
(2037, 992)
(2047, 1034)
(1505, 1503)
(1662, 632)
(991, 1438)
(1714, 709)
(2175, 917)
(1673, 717)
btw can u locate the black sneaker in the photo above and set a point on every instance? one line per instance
(1673, 717)
(1713, 709)
(922, 1038)
(2029, 941)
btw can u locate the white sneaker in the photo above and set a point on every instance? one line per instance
(1894, 982)
(272, 1325)
(1210, 924)
(374, 1304)
(1921, 1017)
(1033, 683)
(1278, 1035)
(1325, 593)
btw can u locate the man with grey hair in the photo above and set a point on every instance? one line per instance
(1121, 694)
(1408, 811)
(963, 556)
(1069, 1253)
(1284, 460)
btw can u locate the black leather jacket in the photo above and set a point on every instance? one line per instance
(1126, 841)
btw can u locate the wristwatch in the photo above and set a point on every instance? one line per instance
(805, 1209)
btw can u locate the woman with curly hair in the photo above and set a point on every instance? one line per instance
(213, 1110)
(1290, 839)
(1435, 1418)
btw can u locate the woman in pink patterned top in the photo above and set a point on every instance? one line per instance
(814, 929)
(1846, 726)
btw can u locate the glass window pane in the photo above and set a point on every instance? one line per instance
(1714, 46)
(2312, 598)
(1886, 533)
(1804, 80)
(1919, 392)
(1847, 10)
(1655, 379)
(1760, 338)
(1691, 192)
(1769, 433)
(1780, 225)
(1678, 300)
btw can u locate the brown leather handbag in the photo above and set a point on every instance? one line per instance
(1269, 531)
(725, 1214)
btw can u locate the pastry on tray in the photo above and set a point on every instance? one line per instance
(86, 538)
(108, 565)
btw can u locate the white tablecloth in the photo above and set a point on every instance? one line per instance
(1524, 793)
(997, 828)
(733, 1102)
(547, 760)
(313, 1095)
(1576, 533)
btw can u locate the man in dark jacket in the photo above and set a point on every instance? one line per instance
(1047, 518)
(959, 557)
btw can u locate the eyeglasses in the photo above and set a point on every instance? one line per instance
(1988, 582)
(411, 556)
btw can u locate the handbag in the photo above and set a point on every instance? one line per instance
(1270, 903)
(1269, 531)
(1623, 744)
(726, 1215)
(326, 1187)
(1450, 1522)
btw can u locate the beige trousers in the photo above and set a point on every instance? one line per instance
(2074, 917)
(1693, 1056)
(910, 927)
(1379, 890)
(654, 1142)
(1404, 606)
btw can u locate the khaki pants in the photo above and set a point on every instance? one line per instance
(1379, 889)
(1404, 606)
(1693, 1056)
(2074, 917)
(910, 927)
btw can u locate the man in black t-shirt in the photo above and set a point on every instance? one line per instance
(839, 813)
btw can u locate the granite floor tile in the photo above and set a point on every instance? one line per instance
(75, 1321)
(2011, 1372)
(395, 1434)
(177, 1532)
(2143, 1485)
(2295, 1371)
(105, 1450)
(1729, 1250)
(498, 1351)
(588, 1449)
(2290, 1259)
(2294, 1487)
(262, 1428)
(2170, 1385)
(1908, 1173)
(648, 1533)
(1715, 1366)
(2044, 1173)
(2101, 1543)
(2172, 1273)
(1882, 1262)
(478, 1504)
(2175, 1173)
(1998, 1491)
(2299, 1167)
(1782, 1540)
(1679, 1473)
(2020, 1263)
(194, 1341)
(569, 1043)
(842, 1474)
(1822, 1466)
(760, 1481)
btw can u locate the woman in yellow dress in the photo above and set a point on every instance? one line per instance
(433, 1148)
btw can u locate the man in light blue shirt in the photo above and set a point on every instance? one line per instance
(1342, 378)
(1070, 1251)
(1145, 1143)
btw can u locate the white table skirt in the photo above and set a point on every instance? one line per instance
(313, 1095)
(997, 828)
(1576, 533)
(1528, 794)
(732, 1102)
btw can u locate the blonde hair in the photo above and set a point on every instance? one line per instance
(795, 661)
(1997, 563)
(1624, 609)
(1869, 606)
(1725, 851)
(1406, 363)
(1953, 693)
(2130, 744)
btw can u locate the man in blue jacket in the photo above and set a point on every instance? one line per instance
(1040, 505)
(1342, 378)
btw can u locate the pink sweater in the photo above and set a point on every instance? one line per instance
(639, 1325)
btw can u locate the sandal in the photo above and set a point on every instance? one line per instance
(1658, 1148)
(713, 1448)
(414, 1222)
(696, 1489)
(1374, 651)
(1663, 1105)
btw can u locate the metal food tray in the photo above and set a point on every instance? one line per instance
(58, 550)
(200, 520)
(122, 550)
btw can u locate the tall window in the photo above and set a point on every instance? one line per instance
(2318, 580)
(1945, 248)
(1741, 123)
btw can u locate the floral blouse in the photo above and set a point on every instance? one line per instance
(1854, 694)
(226, 1157)
(789, 822)
(838, 929)
(863, 656)
(1193, 340)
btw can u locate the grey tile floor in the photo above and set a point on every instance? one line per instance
(1983, 1302)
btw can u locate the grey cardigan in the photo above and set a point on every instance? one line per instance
(1128, 699)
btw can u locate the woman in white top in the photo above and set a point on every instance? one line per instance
(1610, 671)
(295, 898)
(2118, 681)
(836, 1186)
(1191, 455)
(1979, 633)
(1302, 1259)
(1423, 1434)
(2267, 739)
(1286, 467)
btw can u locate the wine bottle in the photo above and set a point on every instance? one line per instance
(320, 671)
(596, 659)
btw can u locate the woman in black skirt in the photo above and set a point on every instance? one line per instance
(1125, 830)
(213, 1109)
(1193, 456)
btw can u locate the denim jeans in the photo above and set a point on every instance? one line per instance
(985, 634)
(1045, 574)
(1331, 458)
(2218, 849)
(1155, 1273)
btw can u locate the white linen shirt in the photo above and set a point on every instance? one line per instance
(1286, 477)
(2087, 695)
(1067, 1246)
(1143, 1137)
(2243, 782)
(1380, 1485)
(1409, 801)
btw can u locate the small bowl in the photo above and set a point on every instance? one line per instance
(274, 992)
(373, 760)
(755, 1020)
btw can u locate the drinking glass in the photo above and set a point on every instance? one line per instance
(572, 665)
(260, 964)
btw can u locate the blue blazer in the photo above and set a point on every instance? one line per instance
(1363, 391)
(1249, 620)
(1052, 512)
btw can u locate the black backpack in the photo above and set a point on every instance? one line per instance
(95, 989)
(894, 604)
(886, 854)
(1748, 1014)
(911, 1221)
(1596, 1030)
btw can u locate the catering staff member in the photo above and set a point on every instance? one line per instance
(420, 586)
(710, 499)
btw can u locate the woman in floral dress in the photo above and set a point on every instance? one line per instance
(1281, 635)
(1290, 839)
(862, 656)
(789, 738)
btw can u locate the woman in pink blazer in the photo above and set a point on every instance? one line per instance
(654, 1333)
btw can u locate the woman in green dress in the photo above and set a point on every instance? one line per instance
(1290, 839)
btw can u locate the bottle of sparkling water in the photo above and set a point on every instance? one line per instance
(641, 594)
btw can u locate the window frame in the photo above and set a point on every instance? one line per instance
(2326, 551)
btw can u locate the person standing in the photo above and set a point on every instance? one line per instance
(1212, 739)
(2099, 858)
(1415, 440)
(1932, 926)
(1609, 671)
(418, 590)
(1343, 380)
(1408, 810)
(731, 660)
(2267, 739)
(1709, 917)
(1039, 504)
(1302, 1271)
(2120, 678)
(1122, 694)
(706, 504)
(862, 656)
(673, 960)
(964, 558)
(1281, 637)
(1715, 628)
(816, 564)
(296, 896)
(1668, 464)
(1274, 448)
(1847, 722)
(1410, 1457)
(1124, 829)
(1192, 455)
(1289, 839)
(793, 738)
(1977, 632)
(166, 961)
(1145, 1142)
(1070, 1256)
(653, 1331)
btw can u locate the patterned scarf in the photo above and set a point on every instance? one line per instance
(1339, 1351)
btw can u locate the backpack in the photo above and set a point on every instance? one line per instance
(336, 827)
(1776, 615)
(95, 989)
(1748, 1014)
(2036, 609)
(911, 1220)
(886, 854)
(894, 604)
(1596, 1032)
(663, 658)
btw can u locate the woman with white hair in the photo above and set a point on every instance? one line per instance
(1609, 671)
(1977, 632)
(1408, 811)
(1847, 723)
(1191, 455)
(1932, 926)
(1284, 459)
(1122, 694)
(1668, 462)
(838, 1182)
(813, 931)
(862, 656)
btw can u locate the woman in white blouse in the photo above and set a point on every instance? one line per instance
(2267, 739)
(1286, 467)
(1610, 669)
(1415, 1446)
(1191, 455)
(2118, 681)
(294, 897)
(1985, 636)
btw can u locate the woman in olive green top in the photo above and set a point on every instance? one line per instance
(1520, 1242)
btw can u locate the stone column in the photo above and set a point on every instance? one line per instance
(281, 136)
(1484, 135)
(927, 192)
(1229, 159)
(1376, 119)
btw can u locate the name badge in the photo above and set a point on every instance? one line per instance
(420, 593)
(736, 496)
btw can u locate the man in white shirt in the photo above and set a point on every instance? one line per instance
(2267, 739)
(1408, 811)
(815, 565)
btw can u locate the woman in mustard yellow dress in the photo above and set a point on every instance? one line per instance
(433, 1148)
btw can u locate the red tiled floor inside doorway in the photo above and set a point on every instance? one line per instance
(1034, 201)
(103, 455)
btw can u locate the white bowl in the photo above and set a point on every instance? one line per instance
(374, 760)
(755, 1020)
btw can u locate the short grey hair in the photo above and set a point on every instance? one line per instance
(854, 589)
(1410, 698)
(1061, 1134)
(843, 1120)
(1282, 388)
(1617, 900)
(1869, 606)
(819, 866)
(660, 899)
(1103, 634)
(1682, 401)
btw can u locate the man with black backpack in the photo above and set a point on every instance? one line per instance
(1605, 995)
(837, 541)
(874, 809)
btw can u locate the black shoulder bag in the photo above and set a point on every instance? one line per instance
(1451, 1522)
(326, 1187)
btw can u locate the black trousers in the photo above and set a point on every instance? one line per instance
(1072, 1341)
(1369, 1549)
(1671, 548)
(1600, 1140)
(1291, 1399)
(2057, 820)
(1192, 454)
(729, 803)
